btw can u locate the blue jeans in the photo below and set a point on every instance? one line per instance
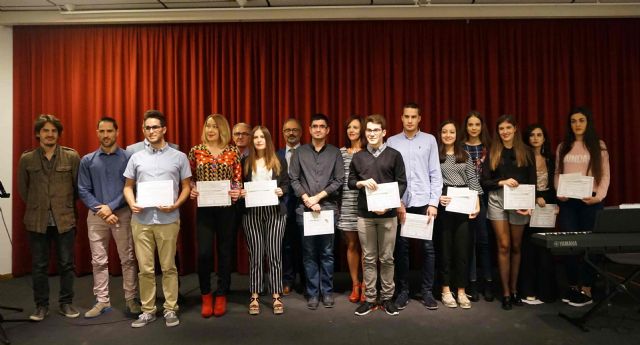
(575, 215)
(401, 257)
(40, 245)
(317, 259)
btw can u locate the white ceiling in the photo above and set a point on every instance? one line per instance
(91, 5)
(39, 12)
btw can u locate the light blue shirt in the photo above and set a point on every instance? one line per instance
(158, 165)
(422, 166)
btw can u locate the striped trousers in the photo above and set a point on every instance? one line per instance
(264, 229)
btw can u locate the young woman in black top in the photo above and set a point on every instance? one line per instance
(509, 163)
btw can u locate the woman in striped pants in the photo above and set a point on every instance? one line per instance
(264, 225)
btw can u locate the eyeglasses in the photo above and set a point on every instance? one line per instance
(373, 131)
(152, 128)
(291, 130)
(241, 134)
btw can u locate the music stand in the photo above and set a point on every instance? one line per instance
(3, 335)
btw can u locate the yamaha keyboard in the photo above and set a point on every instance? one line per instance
(568, 243)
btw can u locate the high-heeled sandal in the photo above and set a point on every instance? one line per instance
(278, 306)
(355, 294)
(254, 306)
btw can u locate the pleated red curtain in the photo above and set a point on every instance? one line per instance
(263, 73)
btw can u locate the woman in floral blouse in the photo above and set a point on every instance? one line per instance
(215, 159)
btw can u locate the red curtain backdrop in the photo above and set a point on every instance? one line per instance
(262, 73)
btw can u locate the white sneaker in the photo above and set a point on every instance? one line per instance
(532, 300)
(463, 301)
(143, 320)
(448, 300)
(170, 318)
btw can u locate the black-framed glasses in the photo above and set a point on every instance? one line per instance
(152, 128)
(291, 130)
(373, 131)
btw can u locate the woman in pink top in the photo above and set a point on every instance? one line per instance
(584, 153)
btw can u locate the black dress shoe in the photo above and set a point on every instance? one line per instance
(327, 301)
(516, 300)
(488, 291)
(506, 303)
(312, 303)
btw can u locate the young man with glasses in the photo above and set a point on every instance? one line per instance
(157, 227)
(292, 241)
(377, 229)
(317, 175)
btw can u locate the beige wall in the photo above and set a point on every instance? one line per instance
(6, 141)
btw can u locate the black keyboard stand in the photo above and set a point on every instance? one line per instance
(619, 287)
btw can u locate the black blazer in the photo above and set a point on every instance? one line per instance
(282, 178)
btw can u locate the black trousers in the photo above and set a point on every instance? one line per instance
(455, 242)
(537, 271)
(218, 221)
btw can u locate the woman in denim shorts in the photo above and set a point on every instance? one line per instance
(509, 163)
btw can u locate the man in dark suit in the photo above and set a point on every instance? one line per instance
(291, 243)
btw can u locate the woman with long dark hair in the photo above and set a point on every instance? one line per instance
(264, 225)
(581, 152)
(215, 159)
(455, 238)
(348, 219)
(509, 163)
(537, 275)
(476, 141)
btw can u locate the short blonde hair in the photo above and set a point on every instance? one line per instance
(223, 129)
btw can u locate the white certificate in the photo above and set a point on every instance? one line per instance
(213, 193)
(575, 186)
(261, 193)
(318, 223)
(544, 217)
(385, 197)
(155, 193)
(417, 226)
(463, 200)
(522, 197)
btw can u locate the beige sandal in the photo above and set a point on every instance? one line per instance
(254, 306)
(278, 307)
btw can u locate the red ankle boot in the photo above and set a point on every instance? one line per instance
(221, 306)
(207, 305)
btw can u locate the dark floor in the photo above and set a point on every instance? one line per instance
(485, 323)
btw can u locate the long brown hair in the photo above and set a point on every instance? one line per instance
(271, 161)
(521, 151)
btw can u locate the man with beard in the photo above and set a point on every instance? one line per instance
(47, 184)
(100, 185)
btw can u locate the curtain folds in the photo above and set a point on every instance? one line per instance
(263, 73)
